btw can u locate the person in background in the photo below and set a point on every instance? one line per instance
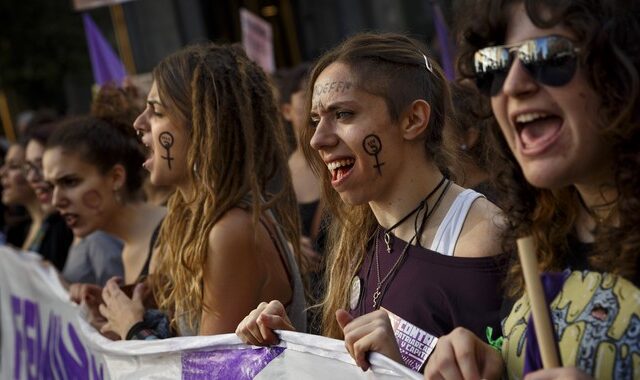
(97, 257)
(306, 184)
(94, 168)
(49, 234)
(469, 130)
(16, 192)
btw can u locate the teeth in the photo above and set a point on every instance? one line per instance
(529, 117)
(340, 163)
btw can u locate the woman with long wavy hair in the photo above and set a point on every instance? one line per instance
(231, 232)
(405, 240)
(564, 83)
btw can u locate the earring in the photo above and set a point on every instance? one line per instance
(463, 146)
(117, 195)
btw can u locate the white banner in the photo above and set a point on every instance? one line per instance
(45, 337)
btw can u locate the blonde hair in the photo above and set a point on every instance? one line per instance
(398, 64)
(236, 148)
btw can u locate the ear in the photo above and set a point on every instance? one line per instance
(416, 119)
(286, 111)
(118, 176)
(471, 137)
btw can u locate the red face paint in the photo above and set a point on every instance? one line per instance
(92, 199)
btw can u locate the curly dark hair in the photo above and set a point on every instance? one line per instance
(471, 111)
(607, 32)
(104, 144)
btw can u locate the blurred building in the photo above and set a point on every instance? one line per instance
(302, 30)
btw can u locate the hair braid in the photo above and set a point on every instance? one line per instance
(236, 145)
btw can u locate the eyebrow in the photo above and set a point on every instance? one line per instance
(334, 106)
(60, 177)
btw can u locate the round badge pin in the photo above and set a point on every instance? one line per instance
(356, 288)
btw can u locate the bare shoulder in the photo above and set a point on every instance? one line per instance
(235, 230)
(481, 234)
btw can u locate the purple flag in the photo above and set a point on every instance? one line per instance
(446, 52)
(106, 65)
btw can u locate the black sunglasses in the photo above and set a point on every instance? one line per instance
(550, 60)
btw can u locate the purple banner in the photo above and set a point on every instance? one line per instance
(227, 364)
(39, 356)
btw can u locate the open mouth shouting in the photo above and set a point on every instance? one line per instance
(340, 169)
(70, 219)
(148, 152)
(43, 193)
(537, 131)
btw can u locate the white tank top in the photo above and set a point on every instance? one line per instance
(447, 235)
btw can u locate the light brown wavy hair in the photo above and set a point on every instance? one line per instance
(397, 64)
(607, 32)
(236, 148)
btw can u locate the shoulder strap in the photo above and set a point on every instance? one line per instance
(297, 305)
(152, 243)
(447, 235)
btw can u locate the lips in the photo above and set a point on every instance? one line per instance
(149, 153)
(44, 196)
(340, 169)
(537, 131)
(70, 219)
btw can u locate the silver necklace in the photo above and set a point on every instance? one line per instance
(378, 292)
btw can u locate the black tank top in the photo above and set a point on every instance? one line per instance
(435, 292)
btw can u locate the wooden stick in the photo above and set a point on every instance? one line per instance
(544, 330)
(5, 116)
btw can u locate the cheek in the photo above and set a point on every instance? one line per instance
(92, 200)
(19, 180)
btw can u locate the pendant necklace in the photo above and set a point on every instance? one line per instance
(591, 211)
(379, 292)
(388, 237)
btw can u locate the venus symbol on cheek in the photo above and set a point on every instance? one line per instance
(166, 140)
(373, 146)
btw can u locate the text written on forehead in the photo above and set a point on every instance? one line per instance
(336, 86)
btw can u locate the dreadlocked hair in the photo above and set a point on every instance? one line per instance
(236, 148)
(606, 32)
(398, 64)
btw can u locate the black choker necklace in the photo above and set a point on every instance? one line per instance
(383, 283)
(388, 237)
(592, 210)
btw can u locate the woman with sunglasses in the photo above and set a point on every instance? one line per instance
(405, 241)
(49, 234)
(17, 192)
(564, 84)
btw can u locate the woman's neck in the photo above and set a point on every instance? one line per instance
(598, 206)
(408, 194)
(601, 199)
(130, 221)
(36, 213)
